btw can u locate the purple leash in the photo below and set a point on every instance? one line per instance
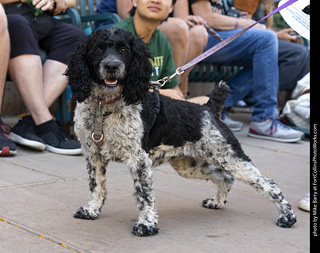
(217, 47)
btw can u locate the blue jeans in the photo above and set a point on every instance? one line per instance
(257, 51)
(103, 24)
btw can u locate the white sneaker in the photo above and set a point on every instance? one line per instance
(273, 129)
(304, 203)
(234, 126)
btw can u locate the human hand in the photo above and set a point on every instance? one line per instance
(288, 34)
(44, 5)
(192, 20)
(61, 7)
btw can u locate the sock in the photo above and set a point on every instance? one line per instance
(46, 127)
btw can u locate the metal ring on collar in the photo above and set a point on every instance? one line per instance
(95, 140)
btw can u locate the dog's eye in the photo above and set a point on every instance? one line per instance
(98, 50)
(123, 50)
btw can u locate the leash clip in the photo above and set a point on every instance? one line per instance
(163, 81)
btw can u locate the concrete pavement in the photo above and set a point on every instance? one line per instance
(39, 191)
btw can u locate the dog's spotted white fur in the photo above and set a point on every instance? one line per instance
(210, 158)
(109, 76)
(123, 130)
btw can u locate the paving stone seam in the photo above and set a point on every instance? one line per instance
(41, 235)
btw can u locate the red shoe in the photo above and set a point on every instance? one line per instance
(7, 146)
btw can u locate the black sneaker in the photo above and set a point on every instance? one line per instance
(57, 141)
(24, 133)
(7, 146)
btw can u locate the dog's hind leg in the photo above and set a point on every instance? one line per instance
(142, 178)
(249, 174)
(199, 169)
(96, 169)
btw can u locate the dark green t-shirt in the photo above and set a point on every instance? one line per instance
(162, 64)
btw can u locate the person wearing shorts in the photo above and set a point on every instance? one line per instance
(40, 84)
(7, 146)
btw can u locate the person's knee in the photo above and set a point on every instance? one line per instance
(304, 54)
(178, 31)
(265, 39)
(180, 28)
(270, 37)
(198, 36)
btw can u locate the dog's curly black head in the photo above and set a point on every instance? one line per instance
(109, 62)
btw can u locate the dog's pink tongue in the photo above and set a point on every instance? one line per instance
(107, 81)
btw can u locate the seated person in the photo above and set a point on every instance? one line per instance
(293, 57)
(7, 146)
(257, 51)
(144, 23)
(186, 36)
(40, 85)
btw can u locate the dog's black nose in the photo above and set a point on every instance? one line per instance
(112, 67)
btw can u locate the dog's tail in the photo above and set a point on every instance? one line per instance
(218, 97)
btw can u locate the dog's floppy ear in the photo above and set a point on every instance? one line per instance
(139, 73)
(78, 71)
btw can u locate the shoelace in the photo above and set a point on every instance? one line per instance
(274, 125)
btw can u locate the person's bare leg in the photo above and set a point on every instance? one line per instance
(26, 73)
(186, 45)
(198, 38)
(176, 30)
(53, 80)
(7, 146)
(4, 52)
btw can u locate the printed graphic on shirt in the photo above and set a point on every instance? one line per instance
(157, 64)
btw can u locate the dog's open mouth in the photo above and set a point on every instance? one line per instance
(110, 82)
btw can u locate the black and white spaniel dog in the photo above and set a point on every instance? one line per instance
(118, 119)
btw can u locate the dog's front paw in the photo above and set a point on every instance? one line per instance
(213, 203)
(143, 230)
(286, 220)
(83, 213)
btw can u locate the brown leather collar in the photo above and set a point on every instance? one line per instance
(97, 135)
